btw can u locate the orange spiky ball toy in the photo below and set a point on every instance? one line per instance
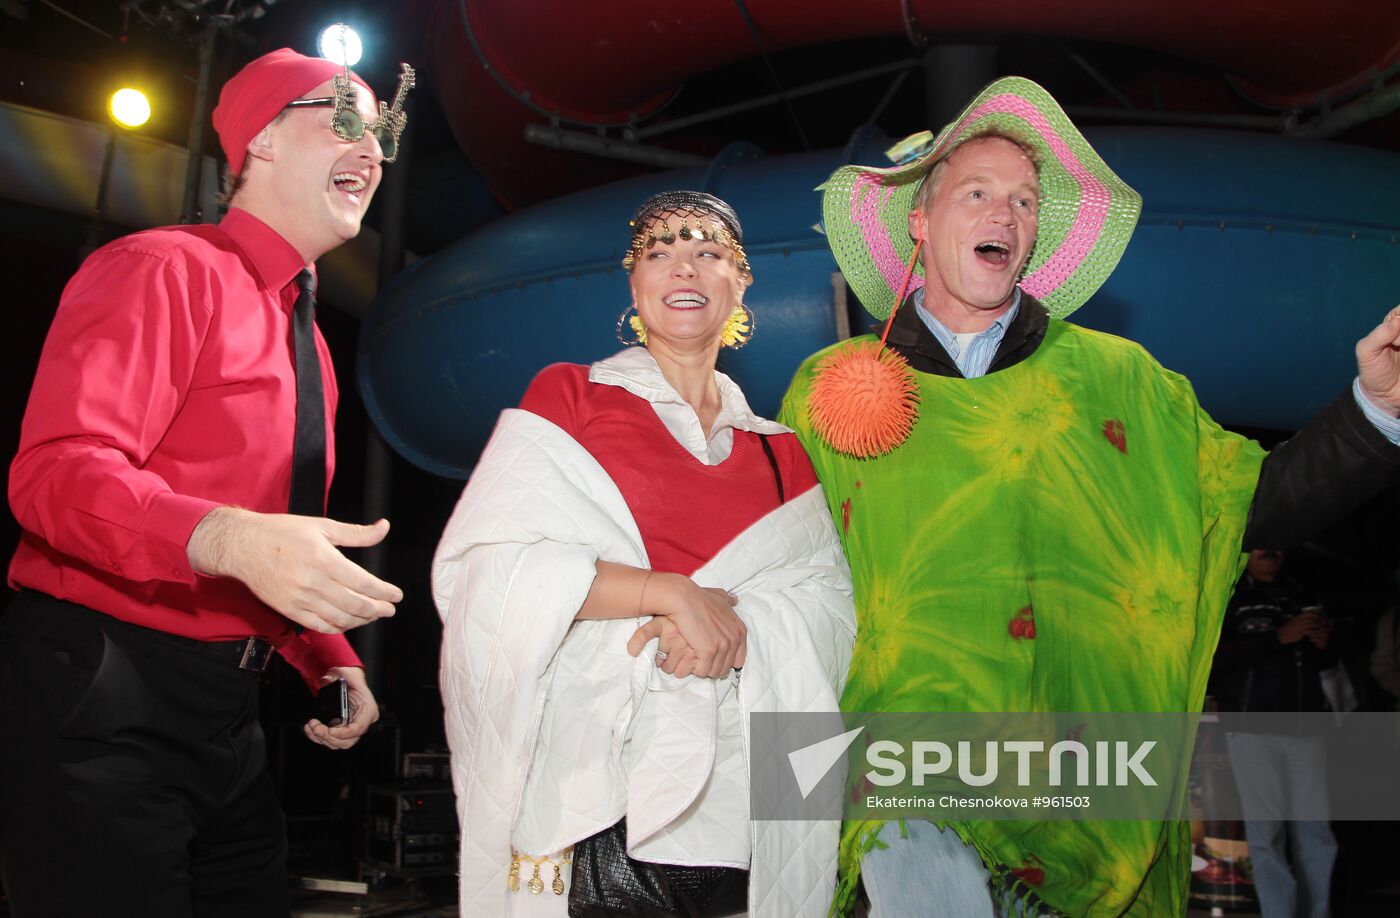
(865, 398)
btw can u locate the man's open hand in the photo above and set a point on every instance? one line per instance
(294, 564)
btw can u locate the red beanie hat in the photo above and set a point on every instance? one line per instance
(253, 97)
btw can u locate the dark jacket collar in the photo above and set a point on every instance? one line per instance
(911, 338)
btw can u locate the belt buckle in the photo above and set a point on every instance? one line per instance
(257, 653)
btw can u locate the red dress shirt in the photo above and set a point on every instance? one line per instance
(166, 388)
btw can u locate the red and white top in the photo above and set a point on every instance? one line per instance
(691, 493)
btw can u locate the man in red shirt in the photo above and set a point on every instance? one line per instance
(183, 405)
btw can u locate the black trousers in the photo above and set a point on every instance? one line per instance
(133, 774)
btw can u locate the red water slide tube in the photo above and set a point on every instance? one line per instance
(503, 64)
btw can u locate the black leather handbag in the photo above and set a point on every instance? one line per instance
(608, 884)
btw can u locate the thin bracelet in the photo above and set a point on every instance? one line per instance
(641, 599)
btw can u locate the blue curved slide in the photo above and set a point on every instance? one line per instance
(1257, 263)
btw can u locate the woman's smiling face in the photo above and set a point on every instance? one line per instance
(684, 290)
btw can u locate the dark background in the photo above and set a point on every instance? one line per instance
(64, 56)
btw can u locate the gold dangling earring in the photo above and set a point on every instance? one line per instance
(634, 322)
(738, 328)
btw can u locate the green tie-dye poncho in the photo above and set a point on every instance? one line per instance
(1061, 535)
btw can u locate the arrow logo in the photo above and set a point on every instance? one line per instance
(811, 763)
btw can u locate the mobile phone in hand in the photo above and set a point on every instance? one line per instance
(333, 704)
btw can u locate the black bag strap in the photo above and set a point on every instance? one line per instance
(773, 461)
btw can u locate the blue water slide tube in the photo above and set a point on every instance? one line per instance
(1257, 264)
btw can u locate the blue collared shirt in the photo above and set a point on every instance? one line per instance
(1387, 425)
(972, 353)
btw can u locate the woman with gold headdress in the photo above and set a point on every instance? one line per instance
(637, 564)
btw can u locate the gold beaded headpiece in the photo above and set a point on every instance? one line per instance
(703, 216)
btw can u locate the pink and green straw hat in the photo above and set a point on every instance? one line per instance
(1087, 213)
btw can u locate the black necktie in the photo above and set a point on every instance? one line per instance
(308, 496)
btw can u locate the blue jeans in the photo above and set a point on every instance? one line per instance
(931, 873)
(1275, 775)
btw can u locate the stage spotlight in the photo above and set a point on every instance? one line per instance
(339, 44)
(130, 108)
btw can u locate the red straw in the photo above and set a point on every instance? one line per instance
(903, 286)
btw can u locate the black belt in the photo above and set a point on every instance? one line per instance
(253, 654)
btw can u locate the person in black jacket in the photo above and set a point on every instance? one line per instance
(1274, 647)
(1273, 644)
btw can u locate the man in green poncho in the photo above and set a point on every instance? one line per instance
(1038, 517)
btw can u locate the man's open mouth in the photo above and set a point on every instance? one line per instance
(993, 252)
(349, 182)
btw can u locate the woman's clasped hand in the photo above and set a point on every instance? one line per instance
(700, 633)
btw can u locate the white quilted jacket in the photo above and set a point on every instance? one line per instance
(557, 733)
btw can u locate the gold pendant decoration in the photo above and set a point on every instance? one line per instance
(513, 882)
(535, 884)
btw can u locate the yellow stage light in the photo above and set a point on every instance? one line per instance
(130, 108)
